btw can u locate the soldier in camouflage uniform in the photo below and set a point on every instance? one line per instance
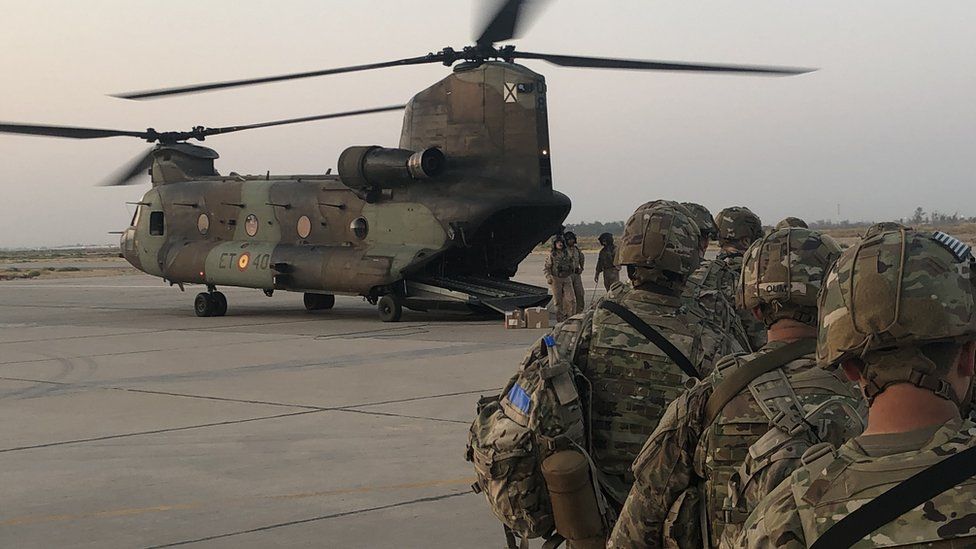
(791, 221)
(713, 284)
(605, 263)
(897, 313)
(559, 268)
(630, 380)
(737, 228)
(765, 420)
(578, 260)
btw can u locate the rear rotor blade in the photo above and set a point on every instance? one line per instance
(196, 88)
(138, 166)
(67, 131)
(229, 129)
(637, 64)
(503, 24)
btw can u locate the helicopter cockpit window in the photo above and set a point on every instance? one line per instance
(251, 225)
(359, 227)
(157, 223)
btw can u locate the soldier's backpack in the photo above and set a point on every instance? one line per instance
(538, 413)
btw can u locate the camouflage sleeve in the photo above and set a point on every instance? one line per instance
(582, 260)
(775, 523)
(547, 268)
(663, 471)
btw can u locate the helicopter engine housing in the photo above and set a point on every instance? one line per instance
(373, 167)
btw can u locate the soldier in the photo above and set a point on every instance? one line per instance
(738, 227)
(791, 222)
(577, 256)
(712, 285)
(762, 408)
(605, 262)
(897, 314)
(559, 268)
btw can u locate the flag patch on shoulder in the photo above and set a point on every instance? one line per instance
(519, 398)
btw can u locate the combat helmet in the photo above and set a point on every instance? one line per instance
(738, 223)
(791, 222)
(659, 245)
(882, 227)
(704, 219)
(782, 274)
(888, 298)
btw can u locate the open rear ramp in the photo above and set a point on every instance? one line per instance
(472, 293)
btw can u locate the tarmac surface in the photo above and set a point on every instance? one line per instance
(129, 422)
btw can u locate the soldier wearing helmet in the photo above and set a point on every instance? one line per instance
(898, 316)
(559, 268)
(605, 262)
(756, 411)
(791, 222)
(576, 255)
(737, 228)
(629, 378)
(712, 285)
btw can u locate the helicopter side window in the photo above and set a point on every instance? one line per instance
(157, 224)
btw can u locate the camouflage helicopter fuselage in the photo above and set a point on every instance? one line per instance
(382, 221)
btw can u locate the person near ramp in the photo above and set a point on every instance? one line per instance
(553, 451)
(760, 409)
(559, 269)
(606, 262)
(576, 254)
(897, 315)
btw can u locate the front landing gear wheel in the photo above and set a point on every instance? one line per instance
(389, 308)
(204, 305)
(317, 302)
(220, 303)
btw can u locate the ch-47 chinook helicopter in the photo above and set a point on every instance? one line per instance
(440, 222)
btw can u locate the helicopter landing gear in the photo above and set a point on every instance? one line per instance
(389, 308)
(318, 302)
(211, 303)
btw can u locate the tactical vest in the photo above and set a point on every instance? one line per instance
(632, 381)
(786, 411)
(712, 287)
(831, 483)
(562, 264)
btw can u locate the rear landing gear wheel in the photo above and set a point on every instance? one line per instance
(204, 305)
(389, 308)
(318, 302)
(220, 303)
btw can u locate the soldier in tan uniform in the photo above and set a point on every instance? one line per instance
(605, 263)
(762, 408)
(712, 285)
(559, 268)
(897, 314)
(737, 228)
(576, 254)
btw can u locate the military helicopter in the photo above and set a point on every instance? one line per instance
(440, 222)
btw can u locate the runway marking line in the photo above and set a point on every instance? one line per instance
(114, 513)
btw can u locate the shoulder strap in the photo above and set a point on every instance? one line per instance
(742, 376)
(653, 336)
(904, 497)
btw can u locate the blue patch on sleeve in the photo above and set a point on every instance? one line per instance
(520, 399)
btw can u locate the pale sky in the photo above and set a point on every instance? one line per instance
(887, 123)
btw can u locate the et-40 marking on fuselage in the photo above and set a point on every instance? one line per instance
(245, 264)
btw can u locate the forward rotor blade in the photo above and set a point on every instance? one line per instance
(196, 88)
(636, 64)
(130, 171)
(229, 129)
(503, 24)
(67, 131)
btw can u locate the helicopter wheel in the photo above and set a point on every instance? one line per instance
(220, 303)
(204, 305)
(389, 308)
(317, 302)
